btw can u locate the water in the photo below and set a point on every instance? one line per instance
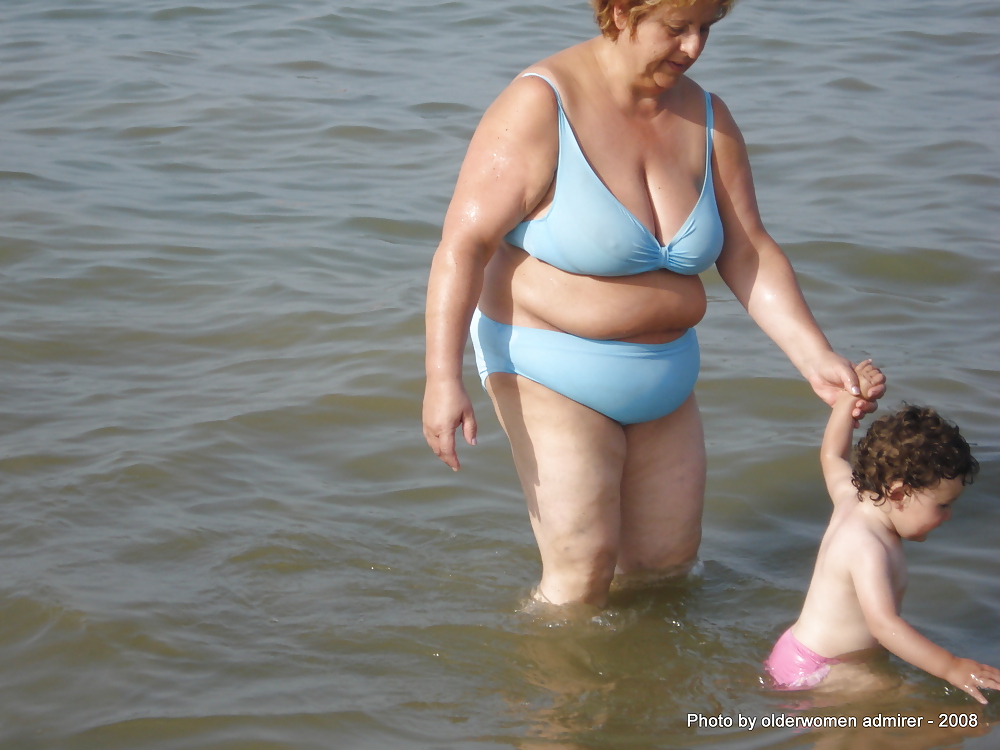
(221, 528)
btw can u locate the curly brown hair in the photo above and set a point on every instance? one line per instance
(915, 446)
(604, 12)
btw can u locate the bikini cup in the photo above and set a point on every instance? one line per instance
(588, 231)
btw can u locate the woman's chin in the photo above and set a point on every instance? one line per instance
(666, 79)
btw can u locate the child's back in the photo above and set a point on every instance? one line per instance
(832, 620)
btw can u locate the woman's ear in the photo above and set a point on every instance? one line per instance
(620, 17)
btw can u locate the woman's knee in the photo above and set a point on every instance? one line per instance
(579, 575)
(598, 564)
(675, 556)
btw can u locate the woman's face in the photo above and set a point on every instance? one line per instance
(669, 40)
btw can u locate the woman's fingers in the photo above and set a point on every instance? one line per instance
(445, 449)
(469, 427)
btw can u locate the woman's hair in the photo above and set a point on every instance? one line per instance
(915, 446)
(639, 9)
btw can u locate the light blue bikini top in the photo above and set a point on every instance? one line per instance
(588, 231)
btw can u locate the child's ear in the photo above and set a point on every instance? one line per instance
(898, 494)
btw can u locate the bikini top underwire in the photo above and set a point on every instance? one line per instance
(588, 231)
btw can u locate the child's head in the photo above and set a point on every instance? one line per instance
(914, 447)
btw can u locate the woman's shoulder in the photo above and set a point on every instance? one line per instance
(566, 71)
(728, 137)
(524, 114)
(526, 103)
(535, 94)
(693, 95)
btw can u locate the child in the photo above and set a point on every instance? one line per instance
(909, 470)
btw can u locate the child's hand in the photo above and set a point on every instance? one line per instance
(870, 380)
(969, 676)
(872, 386)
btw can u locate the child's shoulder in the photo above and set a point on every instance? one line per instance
(840, 486)
(853, 533)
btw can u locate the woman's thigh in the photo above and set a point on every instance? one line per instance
(662, 492)
(569, 459)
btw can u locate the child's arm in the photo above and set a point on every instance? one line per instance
(836, 449)
(871, 571)
(834, 454)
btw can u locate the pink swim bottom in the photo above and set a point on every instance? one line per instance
(792, 666)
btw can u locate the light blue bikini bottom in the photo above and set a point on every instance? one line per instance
(626, 382)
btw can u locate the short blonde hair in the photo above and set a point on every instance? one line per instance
(604, 12)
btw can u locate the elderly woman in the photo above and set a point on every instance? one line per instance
(596, 188)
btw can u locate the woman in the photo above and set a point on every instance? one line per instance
(595, 189)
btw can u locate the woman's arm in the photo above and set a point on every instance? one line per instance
(506, 171)
(759, 274)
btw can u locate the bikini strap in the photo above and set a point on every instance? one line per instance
(551, 85)
(709, 114)
(709, 127)
(566, 134)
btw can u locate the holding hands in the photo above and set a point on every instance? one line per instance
(832, 374)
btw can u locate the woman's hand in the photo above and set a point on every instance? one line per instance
(830, 374)
(446, 407)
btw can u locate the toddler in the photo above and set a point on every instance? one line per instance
(909, 470)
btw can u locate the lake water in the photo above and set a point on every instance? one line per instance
(221, 527)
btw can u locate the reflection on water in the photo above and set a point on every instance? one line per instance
(221, 527)
(589, 681)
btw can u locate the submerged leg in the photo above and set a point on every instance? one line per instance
(662, 493)
(569, 459)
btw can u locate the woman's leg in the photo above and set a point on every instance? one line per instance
(662, 492)
(569, 459)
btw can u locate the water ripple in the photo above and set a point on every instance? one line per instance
(221, 526)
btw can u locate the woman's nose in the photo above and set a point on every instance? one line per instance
(693, 43)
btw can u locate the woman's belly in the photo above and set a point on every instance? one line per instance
(649, 308)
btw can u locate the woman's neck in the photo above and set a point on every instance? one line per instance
(631, 88)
